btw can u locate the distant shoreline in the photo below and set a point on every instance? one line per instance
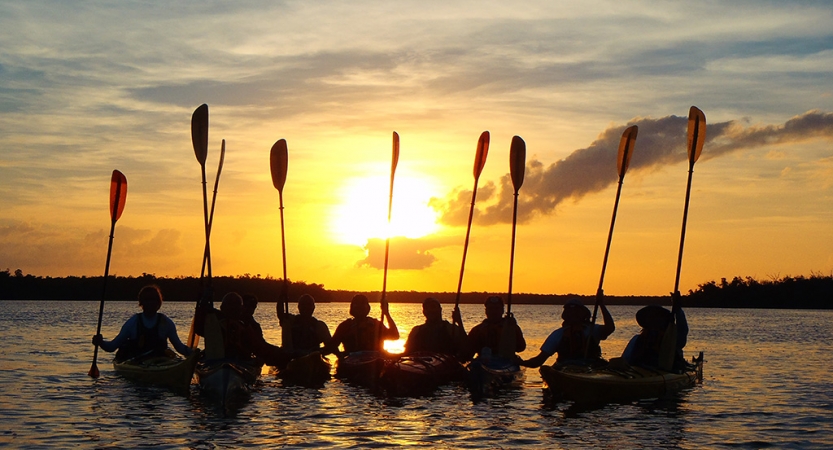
(814, 292)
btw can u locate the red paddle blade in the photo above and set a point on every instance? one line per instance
(93, 371)
(395, 159)
(482, 152)
(626, 145)
(118, 194)
(199, 132)
(517, 161)
(696, 133)
(278, 160)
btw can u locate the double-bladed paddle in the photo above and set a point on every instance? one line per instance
(394, 162)
(118, 197)
(479, 163)
(278, 162)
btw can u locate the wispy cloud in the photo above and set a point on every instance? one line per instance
(660, 142)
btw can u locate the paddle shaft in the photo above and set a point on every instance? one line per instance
(394, 162)
(466, 247)
(285, 292)
(94, 368)
(512, 255)
(685, 221)
(600, 291)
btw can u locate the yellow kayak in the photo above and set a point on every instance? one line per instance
(170, 370)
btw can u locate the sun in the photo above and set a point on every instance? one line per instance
(362, 213)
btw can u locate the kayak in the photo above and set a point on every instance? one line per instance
(618, 382)
(170, 370)
(311, 370)
(488, 376)
(361, 368)
(227, 379)
(419, 373)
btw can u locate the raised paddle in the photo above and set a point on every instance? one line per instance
(394, 162)
(626, 146)
(199, 140)
(278, 161)
(479, 163)
(118, 197)
(517, 162)
(696, 138)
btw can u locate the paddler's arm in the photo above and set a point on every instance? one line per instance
(173, 336)
(520, 342)
(547, 349)
(679, 317)
(392, 332)
(609, 326)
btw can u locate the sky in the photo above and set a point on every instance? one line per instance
(87, 87)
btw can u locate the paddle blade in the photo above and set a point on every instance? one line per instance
(94, 371)
(118, 194)
(517, 161)
(696, 133)
(395, 159)
(482, 152)
(278, 160)
(199, 132)
(626, 145)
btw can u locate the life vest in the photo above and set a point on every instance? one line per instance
(575, 343)
(433, 337)
(304, 333)
(364, 336)
(148, 342)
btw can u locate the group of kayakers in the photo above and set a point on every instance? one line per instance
(232, 332)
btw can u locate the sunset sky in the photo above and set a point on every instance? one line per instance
(88, 87)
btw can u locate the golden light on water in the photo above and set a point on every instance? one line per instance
(397, 346)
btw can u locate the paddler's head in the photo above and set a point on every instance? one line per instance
(494, 308)
(653, 318)
(432, 310)
(306, 305)
(232, 305)
(150, 299)
(575, 312)
(359, 306)
(249, 304)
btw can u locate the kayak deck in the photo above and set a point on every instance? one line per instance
(618, 384)
(311, 370)
(419, 373)
(170, 370)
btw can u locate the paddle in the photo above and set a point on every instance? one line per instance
(394, 162)
(278, 160)
(479, 163)
(517, 161)
(626, 145)
(118, 197)
(696, 138)
(199, 140)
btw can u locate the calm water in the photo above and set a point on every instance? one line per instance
(767, 384)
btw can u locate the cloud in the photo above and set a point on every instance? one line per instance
(405, 253)
(661, 142)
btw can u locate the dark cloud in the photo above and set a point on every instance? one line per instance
(660, 142)
(405, 253)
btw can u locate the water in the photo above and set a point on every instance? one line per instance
(767, 384)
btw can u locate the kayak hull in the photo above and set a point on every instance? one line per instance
(226, 379)
(170, 370)
(309, 370)
(622, 383)
(419, 374)
(487, 377)
(361, 368)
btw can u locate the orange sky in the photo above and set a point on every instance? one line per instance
(79, 98)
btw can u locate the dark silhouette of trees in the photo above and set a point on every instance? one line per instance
(814, 292)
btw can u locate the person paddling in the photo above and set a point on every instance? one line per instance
(303, 334)
(225, 333)
(577, 341)
(269, 354)
(661, 341)
(362, 333)
(437, 335)
(145, 334)
(485, 338)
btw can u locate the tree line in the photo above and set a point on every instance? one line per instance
(814, 292)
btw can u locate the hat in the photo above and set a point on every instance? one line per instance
(493, 300)
(653, 317)
(574, 310)
(432, 301)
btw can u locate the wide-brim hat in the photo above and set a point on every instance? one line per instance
(574, 309)
(653, 316)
